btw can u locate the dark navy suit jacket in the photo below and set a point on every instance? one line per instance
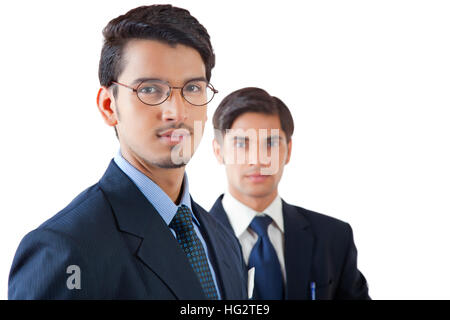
(123, 249)
(318, 249)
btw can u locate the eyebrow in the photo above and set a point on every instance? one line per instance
(142, 79)
(274, 137)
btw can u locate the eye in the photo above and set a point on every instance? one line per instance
(273, 142)
(152, 88)
(194, 87)
(240, 143)
(149, 90)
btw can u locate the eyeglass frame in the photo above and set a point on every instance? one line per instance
(208, 84)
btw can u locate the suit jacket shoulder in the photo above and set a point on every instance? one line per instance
(328, 254)
(122, 248)
(324, 226)
(40, 266)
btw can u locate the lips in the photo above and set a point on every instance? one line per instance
(173, 136)
(256, 177)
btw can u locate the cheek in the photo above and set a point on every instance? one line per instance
(228, 154)
(282, 154)
(234, 174)
(138, 114)
(274, 161)
(197, 114)
(197, 120)
(280, 167)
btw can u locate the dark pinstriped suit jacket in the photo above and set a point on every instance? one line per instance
(123, 249)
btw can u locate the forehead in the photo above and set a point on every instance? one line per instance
(155, 59)
(255, 125)
(255, 120)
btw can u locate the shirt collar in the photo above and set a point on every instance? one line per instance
(241, 216)
(154, 194)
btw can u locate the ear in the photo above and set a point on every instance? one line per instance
(218, 151)
(106, 106)
(288, 157)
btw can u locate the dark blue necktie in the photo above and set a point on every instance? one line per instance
(192, 246)
(268, 278)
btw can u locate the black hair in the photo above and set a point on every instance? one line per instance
(163, 23)
(251, 100)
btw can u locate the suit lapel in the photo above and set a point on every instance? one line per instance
(159, 250)
(219, 213)
(299, 242)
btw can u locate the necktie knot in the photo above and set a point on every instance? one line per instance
(260, 224)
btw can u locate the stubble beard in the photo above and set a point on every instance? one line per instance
(166, 162)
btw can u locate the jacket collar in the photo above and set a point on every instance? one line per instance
(219, 213)
(158, 249)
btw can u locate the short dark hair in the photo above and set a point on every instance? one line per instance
(251, 100)
(163, 23)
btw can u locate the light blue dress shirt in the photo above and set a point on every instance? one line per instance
(161, 201)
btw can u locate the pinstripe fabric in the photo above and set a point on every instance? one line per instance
(162, 203)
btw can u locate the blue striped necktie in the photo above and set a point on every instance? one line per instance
(268, 278)
(192, 246)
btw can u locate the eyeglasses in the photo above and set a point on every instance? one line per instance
(155, 92)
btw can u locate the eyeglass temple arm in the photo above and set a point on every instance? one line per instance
(124, 85)
(212, 88)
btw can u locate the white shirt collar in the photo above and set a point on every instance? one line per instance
(241, 216)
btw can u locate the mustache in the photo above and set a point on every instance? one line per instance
(175, 126)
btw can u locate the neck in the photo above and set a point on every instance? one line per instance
(169, 180)
(257, 203)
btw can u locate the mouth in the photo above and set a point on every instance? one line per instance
(256, 177)
(173, 136)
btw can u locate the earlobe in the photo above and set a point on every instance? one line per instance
(105, 106)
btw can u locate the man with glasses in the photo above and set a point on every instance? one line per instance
(137, 233)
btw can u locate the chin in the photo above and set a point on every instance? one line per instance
(166, 163)
(169, 165)
(259, 192)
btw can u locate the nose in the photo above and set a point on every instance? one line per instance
(253, 155)
(174, 108)
(259, 155)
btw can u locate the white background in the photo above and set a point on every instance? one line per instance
(367, 83)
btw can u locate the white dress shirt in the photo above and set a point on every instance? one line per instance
(241, 216)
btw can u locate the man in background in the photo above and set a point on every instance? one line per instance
(296, 253)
